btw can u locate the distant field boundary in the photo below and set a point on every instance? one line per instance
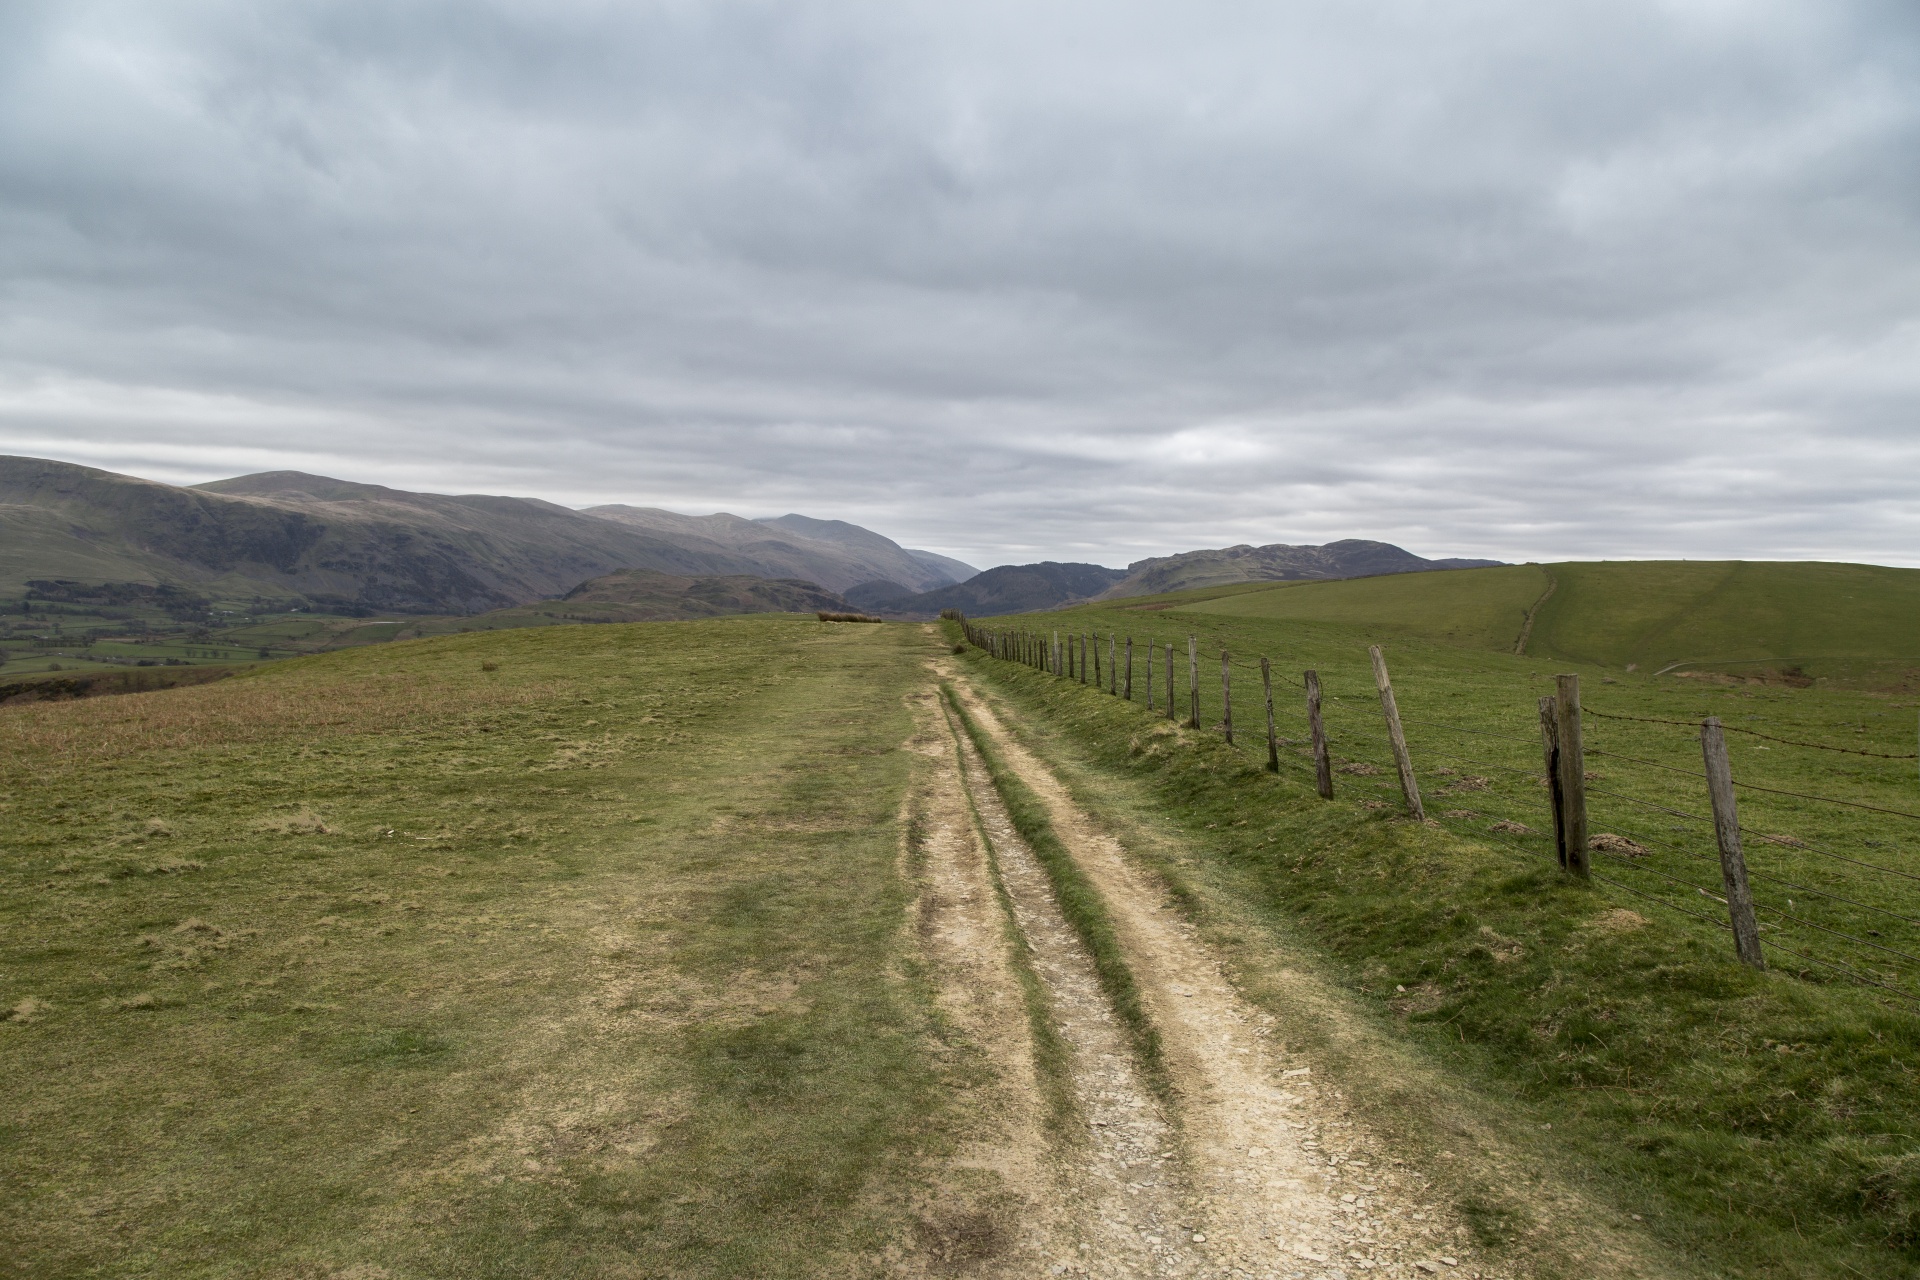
(1526, 626)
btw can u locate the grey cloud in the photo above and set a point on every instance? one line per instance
(1074, 279)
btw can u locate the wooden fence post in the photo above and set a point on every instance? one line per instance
(1322, 767)
(1273, 743)
(1129, 692)
(1409, 787)
(1573, 771)
(1550, 750)
(1226, 696)
(1170, 712)
(1096, 660)
(1726, 828)
(1113, 663)
(1193, 683)
(1149, 675)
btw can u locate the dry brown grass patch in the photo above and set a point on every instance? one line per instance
(1618, 920)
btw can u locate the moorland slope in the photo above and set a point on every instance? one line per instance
(1846, 621)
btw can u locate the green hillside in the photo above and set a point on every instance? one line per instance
(1481, 608)
(1844, 621)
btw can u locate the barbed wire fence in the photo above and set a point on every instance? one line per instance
(1681, 845)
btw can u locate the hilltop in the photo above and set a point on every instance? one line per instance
(832, 553)
(1010, 588)
(1276, 562)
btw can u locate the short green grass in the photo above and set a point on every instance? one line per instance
(1848, 622)
(1482, 608)
(1767, 1124)
(568, 952)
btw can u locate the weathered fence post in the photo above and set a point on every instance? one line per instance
(1550, 749)
(1193, 683)
(1129, 692)
(1170, 699)
(1096, 660)
(1409, 787)
(1322, 766)
(1726, 828)
(1573, 771)
(1149, 675)
(1273, 743)
(1226, 696)
(1113, 663)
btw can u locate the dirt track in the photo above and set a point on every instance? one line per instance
(1256, 1167)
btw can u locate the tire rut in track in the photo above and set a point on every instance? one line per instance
(1001, 1208)
(1270, 1173)
(1123, 1187)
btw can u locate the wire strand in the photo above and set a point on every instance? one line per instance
(1654, 897)
(1677, 813)
(1754, 733)
(1787, 915)
(1457, 728)
(1651, 764)
(1855, 974)
(1851, 804)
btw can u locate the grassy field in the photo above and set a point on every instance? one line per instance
(1851, 623)
(1765, 1124)
(563, 952)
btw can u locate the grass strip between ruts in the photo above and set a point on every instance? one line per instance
(1050, 1052)
(1080, 902)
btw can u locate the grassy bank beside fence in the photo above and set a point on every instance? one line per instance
(1766, 1123)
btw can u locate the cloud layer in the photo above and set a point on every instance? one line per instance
(1631, 278)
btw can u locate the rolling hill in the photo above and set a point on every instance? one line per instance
(1010, 588)
(1845, 621)
(1277, 562)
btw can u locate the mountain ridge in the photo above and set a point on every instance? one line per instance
(1275, 562)
(835, 554)
(344, 546)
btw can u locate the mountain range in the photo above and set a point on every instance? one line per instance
(289, 539)
(298, 539)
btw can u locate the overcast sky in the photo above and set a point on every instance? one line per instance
(1581, 279)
